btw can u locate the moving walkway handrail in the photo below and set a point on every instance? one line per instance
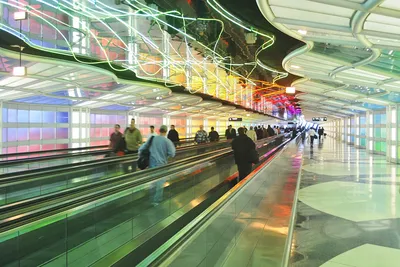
(163, 253)
(21, 154)
(107, 190)
(73, 197)
(6, 178)
(58, 156)
(53, 157)
(27, 202)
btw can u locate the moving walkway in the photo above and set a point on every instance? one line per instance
(27, 161)
(105, 222)
(33, 183)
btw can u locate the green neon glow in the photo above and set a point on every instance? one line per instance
(103, 12)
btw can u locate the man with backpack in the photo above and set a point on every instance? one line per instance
(158, 148)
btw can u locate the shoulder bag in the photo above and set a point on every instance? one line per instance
(144, 158)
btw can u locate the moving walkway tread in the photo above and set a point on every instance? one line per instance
(28, 185)
(28, 164)
(122, 210)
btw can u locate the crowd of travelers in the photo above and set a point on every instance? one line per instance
(162, 145)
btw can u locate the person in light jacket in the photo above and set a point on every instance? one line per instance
(252, 134)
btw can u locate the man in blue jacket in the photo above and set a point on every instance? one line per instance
(160, 150)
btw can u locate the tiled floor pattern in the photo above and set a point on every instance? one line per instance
(349, 209)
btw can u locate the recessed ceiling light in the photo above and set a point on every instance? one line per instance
(20, 15)
(302, 32)
(19, 71)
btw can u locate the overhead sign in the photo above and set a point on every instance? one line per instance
(320, 119)
(235, 119)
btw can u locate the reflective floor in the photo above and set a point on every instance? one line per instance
(349, 209)
(250, 230)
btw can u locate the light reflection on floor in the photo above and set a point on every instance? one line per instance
(349, 209)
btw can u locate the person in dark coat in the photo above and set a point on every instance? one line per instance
(230, 133)
(213, 136)
(265, 132)
(320, 133)
(260, 133)
(242, 147)
(173, 135)
(270, 131)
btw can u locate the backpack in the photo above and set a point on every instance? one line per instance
(144, 157)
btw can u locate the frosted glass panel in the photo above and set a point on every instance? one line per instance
(83, 118)
(12, 134)
(62, 133)
(75, 133)
(83, 133)
(62, 117)
(23, 116)
(48, 133)
(49, 117)
(35, 116)
(75, 117)
(34, 134)
(5, 115)
(12, 115)
(22, 134)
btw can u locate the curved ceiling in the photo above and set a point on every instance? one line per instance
(78, 85)
(350, 60)
(151, 42)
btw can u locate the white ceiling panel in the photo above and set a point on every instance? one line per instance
(282, 12)
(391, 4)
(313, 7)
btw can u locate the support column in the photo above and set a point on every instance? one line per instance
(370, 132)
(345, 130)
(166, 50)
(132, 41)
(80, 40)
(80, 127)
(392, 144)
(205, 124)
(357, 122)
(189, 127)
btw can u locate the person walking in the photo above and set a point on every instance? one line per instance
(201, 136)
(265, 132)
(213, 136)
(312, 136)
(320, 133)
(117, 142)
(133, 139)
(243, 147)
(173, 135)
(252, 134)
(260, 133)
(270, 131)
(152, 132)
(160, 150)
(230, 133)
